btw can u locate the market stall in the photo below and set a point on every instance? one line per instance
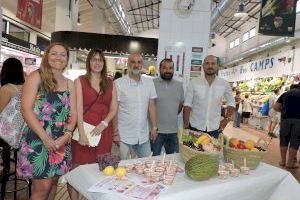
(265, 183)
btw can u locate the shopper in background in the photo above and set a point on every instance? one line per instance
(49, 109)
(169, 102)
(96, 105)
(11, 120)
(274, 116)
(136, 98)
(237, 115)
(247, 109)
(289, 106)
(203, 100)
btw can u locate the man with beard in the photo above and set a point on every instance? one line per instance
(203, 101)
(169, 102)
(136, 96)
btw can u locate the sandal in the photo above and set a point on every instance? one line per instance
(282, 164)
(293, 166)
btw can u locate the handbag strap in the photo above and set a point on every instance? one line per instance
(89, 107)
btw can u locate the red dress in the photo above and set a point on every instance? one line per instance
(97, 113)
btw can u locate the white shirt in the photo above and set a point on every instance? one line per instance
(206, 102)
(133, 99)
(247, 106)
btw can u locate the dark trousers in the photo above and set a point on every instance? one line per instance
(168, 140)
(214, 133)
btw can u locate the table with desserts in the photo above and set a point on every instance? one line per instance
(266, 182)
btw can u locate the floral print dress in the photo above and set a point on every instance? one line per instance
(34, 160)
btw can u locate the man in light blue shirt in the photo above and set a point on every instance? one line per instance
(136, 98)
(170, 97)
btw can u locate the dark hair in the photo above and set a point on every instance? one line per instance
(166, 60)
(246, 95)
(104, 79)
(237, 92)
(276, 90)
(295, 86)
(117, 75)
(12, 72)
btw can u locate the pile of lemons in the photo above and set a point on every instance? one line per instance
(119, 171)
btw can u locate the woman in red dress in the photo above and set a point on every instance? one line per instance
(97, 105)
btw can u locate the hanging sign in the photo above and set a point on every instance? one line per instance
(30, 11)
(277, 17)
(272, 66)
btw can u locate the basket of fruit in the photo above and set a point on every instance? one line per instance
(192, 143)
(249, 151)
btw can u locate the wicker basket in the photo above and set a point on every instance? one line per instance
(238, 156)
(187, 153)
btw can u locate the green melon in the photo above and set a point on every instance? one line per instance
(201, 167)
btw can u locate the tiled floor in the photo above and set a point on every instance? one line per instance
(272, 157)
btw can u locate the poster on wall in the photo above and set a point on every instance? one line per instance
(196, 62)
(30, 11)
(277, 17)
(177, 55)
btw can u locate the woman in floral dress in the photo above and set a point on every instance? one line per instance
(49, 109)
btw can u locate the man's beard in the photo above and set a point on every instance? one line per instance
(167, 76)
(210, 72)
(136, 71)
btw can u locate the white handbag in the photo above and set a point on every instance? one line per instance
(93, 140)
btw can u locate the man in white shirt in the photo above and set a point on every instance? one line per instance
(136, 96)
(203, 101)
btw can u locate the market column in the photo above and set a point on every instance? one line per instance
(184, 35)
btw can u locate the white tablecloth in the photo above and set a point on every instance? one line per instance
(264, 183)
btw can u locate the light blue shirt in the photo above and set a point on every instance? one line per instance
(133, 99)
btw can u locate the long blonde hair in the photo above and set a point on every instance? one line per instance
(104, 80)
(48, 81)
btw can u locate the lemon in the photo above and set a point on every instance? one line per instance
(121, 171)
(108, 171)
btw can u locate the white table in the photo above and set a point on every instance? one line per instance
(264, 183)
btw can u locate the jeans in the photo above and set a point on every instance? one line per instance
(142, 150)
(214, 133)
(169, 141)
(236, 119)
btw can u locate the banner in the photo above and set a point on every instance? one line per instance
(277, 17)
(30, 11)
(272, 66)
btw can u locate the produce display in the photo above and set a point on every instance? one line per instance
(244, 145)
(200, 142)
(264, 85)
(201, 167)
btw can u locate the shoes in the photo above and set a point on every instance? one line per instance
(282, 163)
(293, 166)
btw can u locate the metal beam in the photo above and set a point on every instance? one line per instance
(133, 15)
(139, 7)
(147, 15)
(140, 13)
(146, 20)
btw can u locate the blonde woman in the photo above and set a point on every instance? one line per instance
(49, 109)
